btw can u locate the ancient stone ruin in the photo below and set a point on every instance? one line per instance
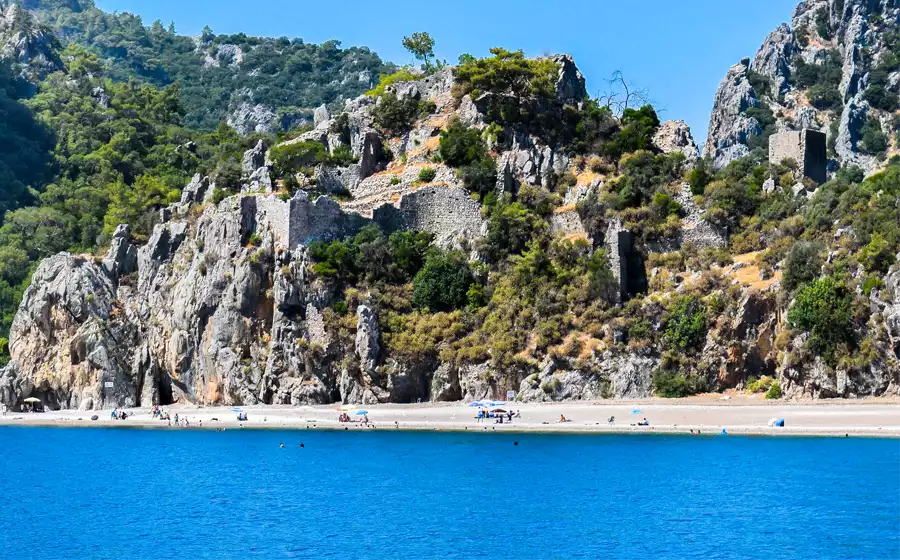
(805, 147)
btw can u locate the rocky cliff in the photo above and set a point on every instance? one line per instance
(224, 305)
(834, 68)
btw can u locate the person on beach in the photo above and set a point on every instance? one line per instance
(480, 416)
(176, 419)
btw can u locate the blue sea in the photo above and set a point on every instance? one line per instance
(130, 493)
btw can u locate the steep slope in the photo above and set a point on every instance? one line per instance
(833, 69)
(255, 84)
(455, 233)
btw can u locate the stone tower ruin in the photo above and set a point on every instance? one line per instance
(806, 147)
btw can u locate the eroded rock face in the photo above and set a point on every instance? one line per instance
(729, 127)
(26, 44)
(220, 306)
(367, 335)
(773, 59)
(71, 338)
(248, 118)
(675, 136)
(850, 36)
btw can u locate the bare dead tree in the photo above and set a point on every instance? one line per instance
(622, 94)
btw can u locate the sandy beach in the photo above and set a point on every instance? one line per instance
(706, 415)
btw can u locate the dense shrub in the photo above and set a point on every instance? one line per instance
(510, 228)
(880, 98)
(637, 129)
(766, 119)
(803, 264)
(372, 257)
(461, 145)
(686, 323)
(427, 174)
(823, 309)
(292, 158)
(480, 177)
(386, 80)
(393, 116)
(701, 175)
(728, 201)
(443, 282)
(507, 72)
(642, 173)
(877, 255)
(874, 141)
(672, 384)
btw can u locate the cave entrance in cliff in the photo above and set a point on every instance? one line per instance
(164, 390)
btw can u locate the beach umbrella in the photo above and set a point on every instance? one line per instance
(499, 410)
(236, 410)
(476, 403)
(32, 400)
(637, 411)
(362, 412)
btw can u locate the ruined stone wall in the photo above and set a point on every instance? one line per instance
(316, 220)
(567, 223)
(446, 212)
(298, 221)
(272, 214)
(807, 148)
(618, 242)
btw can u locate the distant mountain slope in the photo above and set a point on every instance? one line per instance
(256, 84)
(836, 68)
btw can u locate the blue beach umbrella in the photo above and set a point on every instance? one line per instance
(637, 411)
(236, 410)
(476, 403)
(362, 412)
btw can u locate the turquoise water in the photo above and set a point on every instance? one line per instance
(108, 493)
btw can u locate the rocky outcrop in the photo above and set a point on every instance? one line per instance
(121, 258)
(29, 46)
(675, 136)
(729, 127)
(773, 60)
(221, 305)
(247, 118)
(71, 339)
(850, 34)
(367, 334)
(570, 83)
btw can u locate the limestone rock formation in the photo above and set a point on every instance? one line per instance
(222, 303)
(247, 118)
(729, 127)
(851, 37)
(29, 46)
(675, 136)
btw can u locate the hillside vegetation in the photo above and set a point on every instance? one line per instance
(450, 232)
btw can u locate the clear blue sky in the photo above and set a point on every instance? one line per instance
(679, 51)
